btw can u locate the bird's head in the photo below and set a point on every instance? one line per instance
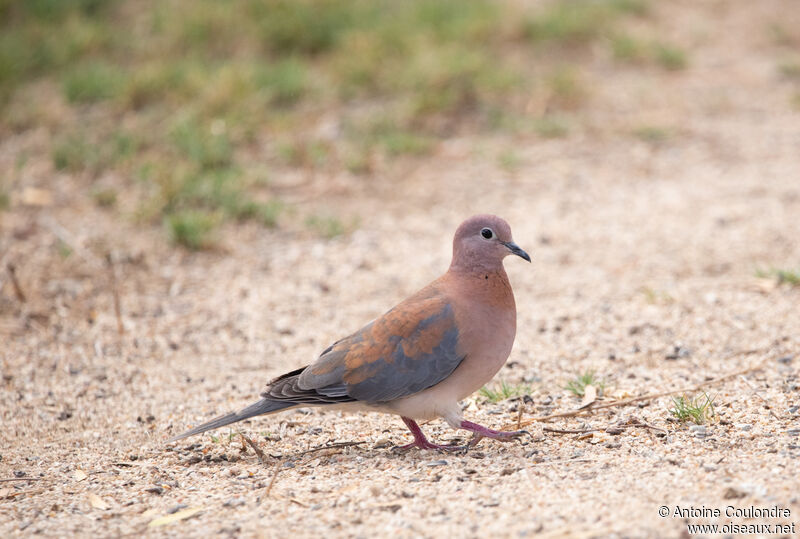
(482, 242)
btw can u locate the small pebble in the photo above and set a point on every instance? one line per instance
(733, 493)
(233, 502)
(792, 410)
(176, 508)
(382, 442)
(744, 426)
(793, 432)
(437, 463)
(698, 430)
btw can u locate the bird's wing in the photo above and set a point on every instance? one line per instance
(412, 347)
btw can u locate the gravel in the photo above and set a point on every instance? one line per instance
(665, 238)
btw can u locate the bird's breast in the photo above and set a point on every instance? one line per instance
(487, 322)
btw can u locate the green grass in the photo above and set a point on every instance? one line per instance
(790, 69)
(626, 48)
(502, 391)
(327, 226)
(74, 153)
(782, 276)
(189, 101)
(550, 126)
(567, 88)
(578, 22)
(192, 229)
(577, 386)
(104, 197)
(632, 50)
(652, 134)
(670, 57)
(698, 409)
(509, 160)
(64, 250)
(283, 83)
(96, 81)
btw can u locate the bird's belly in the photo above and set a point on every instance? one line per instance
(473, 373)
(442, 399)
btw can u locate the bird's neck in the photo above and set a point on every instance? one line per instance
(489, 285)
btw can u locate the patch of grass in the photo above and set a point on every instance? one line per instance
(74, 153)
(5, 199)
(192, 229)
(304, 153)
(509, 160)
(92, 82)
(652, 134)
(188, 99)
(782, 276)
(64, 250)
(456, 81)
(670, 57)
(402, 142)
(566, 88)
(105, 197)
(698, 409)
(266, 213)
(307, 28)
(578, 22)
(207, 146)
(502, 391)
(391, 137)
(326, 226)
(653, 296)
(783, 36)
(790, 69)
(577, 386)
(284, 83)
(550, 126)
(626, 48)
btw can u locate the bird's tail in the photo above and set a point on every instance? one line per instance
(264, 406)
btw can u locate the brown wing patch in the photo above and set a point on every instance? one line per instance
(381, 338)
(410, 348)
(427, 338)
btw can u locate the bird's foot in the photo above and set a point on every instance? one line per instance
(481, 432)
(421, 442)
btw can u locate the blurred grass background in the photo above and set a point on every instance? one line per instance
(193, 107)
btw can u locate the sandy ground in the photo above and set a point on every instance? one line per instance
(641, 252)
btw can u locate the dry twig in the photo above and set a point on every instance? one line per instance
(334, 445)
(112, 271)
(272, 480)
(760, 396)
(262, 458)
(12, 273)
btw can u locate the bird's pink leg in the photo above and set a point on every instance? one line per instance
(420, 440)
(485, 432)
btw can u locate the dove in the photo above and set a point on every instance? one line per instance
(422, 357)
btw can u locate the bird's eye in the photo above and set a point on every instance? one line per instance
(487, 233)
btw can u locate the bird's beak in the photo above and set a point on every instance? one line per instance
(517, 250)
